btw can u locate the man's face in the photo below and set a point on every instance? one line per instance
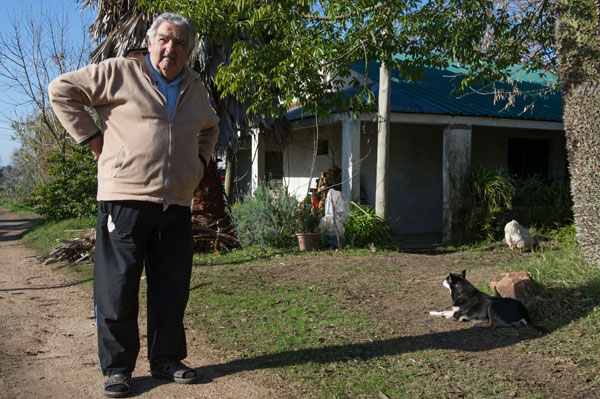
(169, 49)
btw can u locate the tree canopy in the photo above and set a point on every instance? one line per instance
(288, 52)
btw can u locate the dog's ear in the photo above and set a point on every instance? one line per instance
(464, 273)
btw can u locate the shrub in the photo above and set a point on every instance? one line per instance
(266, 219)
(364, 228)
(307, 217)
(538, 203)
(492, 192)
(499, 198)
(71, 192)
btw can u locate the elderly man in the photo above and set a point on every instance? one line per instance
(158, 132)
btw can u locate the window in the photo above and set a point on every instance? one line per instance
(274, 166)
(529, 157)
(323, 147)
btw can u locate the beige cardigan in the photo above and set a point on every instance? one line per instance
(147, 156)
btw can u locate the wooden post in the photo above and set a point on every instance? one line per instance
(383, 141)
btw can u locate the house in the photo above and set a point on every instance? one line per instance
(435, 139)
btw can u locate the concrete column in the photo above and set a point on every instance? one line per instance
(258, 158)
(351, 158)
(455, 177)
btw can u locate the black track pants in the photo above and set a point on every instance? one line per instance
(130, 234)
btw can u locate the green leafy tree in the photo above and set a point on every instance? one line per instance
(302, 52)
(29, 161)
(286, 53)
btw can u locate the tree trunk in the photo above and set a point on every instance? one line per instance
(212, 227)
(209, 197)
(578, 53)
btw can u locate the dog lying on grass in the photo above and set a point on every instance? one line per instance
(470, 304)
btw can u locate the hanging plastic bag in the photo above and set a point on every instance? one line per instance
(337, 211)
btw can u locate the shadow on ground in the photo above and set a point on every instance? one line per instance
(46, 287)
(15, 229)
(468, 339)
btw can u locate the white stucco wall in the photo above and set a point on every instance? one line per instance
(297, 158)
(415, 165)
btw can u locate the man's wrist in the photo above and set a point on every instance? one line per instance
(92, 137)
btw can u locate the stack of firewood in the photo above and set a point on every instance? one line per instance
(209, 235)
(72, 251)
(219, 237)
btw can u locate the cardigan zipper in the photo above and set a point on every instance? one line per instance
(171, 151)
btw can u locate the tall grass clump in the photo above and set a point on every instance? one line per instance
(364, 228)
(45, 236)
(492, 193)
(267, 218)
(563, 266)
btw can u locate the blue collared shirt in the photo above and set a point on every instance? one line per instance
(168, 89)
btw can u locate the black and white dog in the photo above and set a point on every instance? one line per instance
(470, 304)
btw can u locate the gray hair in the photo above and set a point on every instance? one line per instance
(178, 20)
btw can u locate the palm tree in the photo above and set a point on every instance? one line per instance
(120, 25)
(578, 50)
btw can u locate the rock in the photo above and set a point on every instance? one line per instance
(512, 285)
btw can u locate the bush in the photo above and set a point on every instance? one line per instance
(71, 192)
(364, 228)
(267, 219)
(492, 193)
(307, 217)
(498, 198)
(538, 203)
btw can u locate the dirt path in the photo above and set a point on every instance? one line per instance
(48, 338)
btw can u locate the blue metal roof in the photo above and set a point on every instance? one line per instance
(433, 95)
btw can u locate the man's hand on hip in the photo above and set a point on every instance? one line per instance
(96, 146)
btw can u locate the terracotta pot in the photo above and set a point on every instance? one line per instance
(309, 241)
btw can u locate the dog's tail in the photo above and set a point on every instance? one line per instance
(538, 328)
(529, 323)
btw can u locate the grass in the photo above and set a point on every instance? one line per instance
(255, 254)
(321, 342)
(45, 236)
(324, 335)
(16, 207)
(286, 319)
(565, 285)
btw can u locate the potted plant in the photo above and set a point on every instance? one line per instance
(307, 226)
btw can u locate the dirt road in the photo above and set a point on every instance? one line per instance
(48, 337)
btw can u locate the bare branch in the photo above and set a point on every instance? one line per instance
(37, 48)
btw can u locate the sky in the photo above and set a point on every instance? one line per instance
(10, 10)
